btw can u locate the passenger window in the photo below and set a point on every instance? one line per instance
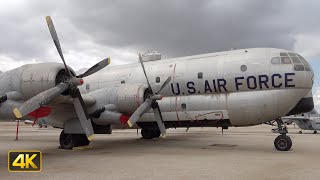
(157, 79)
(87, 87)
(183, 106)
(200, 75)
(275, 60)
(243, 68)
(123, 82)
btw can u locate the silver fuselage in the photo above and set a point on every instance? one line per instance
(241, 86)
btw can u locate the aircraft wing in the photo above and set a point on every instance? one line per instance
(295, 118)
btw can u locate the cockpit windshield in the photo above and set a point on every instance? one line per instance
(299, 63)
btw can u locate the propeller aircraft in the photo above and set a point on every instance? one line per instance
(243, 87)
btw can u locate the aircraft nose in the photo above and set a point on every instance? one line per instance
(304, 105)
(308, 69)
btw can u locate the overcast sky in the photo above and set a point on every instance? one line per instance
(93, 30)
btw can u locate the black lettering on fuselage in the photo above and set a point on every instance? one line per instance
(190, 86)
(222, 83)
(207, 87)
(214, 86)
(252, 82)
(237, 82)
(273, 80)
(173, 89)
(263, 79)
(287, 80)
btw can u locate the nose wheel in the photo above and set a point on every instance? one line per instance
(282, 142)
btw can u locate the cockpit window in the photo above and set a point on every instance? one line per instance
(285, 58)
(299, 63)
(304, 62)
(298, 67)
(275, 60)
(291, 54)
(296, 62)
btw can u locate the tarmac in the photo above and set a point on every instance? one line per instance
(200, 153)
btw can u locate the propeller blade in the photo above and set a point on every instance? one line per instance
(164, 84)
(82, 114)
(145, 74)
(97, 67)
(39, 100)
(144, 107)
(159, 119)
(56, 42)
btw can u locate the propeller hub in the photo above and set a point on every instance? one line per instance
(156, 97)
(76, 81)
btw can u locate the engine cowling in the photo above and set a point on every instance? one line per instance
(36, 78)
(126, 98)
(130, 97)
(114, 105)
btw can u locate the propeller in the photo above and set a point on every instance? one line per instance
(70, 83)
(150, 102)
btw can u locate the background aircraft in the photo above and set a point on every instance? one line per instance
(232, 88)
(41, 123)
(305, 121)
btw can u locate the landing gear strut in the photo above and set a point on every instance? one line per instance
(150, 133)
(282, 142)
(68, 141)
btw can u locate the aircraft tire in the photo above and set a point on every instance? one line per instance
(283, 143)
(82, 140)
(315, 132)
(68, 141)
(157, 133)
(147, 133)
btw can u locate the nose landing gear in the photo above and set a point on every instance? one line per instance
(282, 142)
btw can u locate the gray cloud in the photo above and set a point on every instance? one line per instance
(92, 30)
(179, 28)
(173, 27)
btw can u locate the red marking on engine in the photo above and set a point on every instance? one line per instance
(81, 81)
(137, 96)
(124, 119)
(40, 112)
(174, 72)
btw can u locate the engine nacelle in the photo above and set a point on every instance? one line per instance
(126, 98)
(37, 78)
(130, 97)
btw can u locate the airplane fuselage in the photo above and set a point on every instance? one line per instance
(238, 88)
(241, 86)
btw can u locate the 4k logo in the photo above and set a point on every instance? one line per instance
(24, 161)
